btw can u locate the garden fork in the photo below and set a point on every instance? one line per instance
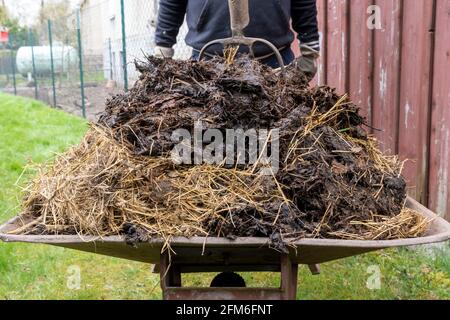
(240, 19)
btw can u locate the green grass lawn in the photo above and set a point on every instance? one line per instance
(31, 131)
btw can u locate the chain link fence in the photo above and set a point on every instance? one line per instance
(75, 62)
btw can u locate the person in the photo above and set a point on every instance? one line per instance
(272, 20)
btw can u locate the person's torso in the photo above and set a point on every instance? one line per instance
(210, 20)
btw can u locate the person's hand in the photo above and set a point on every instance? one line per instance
(163, 52)
(308, 61)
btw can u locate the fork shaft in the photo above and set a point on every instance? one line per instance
(239, 16)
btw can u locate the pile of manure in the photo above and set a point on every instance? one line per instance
(332, 180)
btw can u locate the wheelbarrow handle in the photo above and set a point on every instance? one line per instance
(239, 16)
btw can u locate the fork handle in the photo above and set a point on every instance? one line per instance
(239, 16)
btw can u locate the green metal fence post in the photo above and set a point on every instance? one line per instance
(80, 59)
(31, 43)
(50, 39)
(111, 74)
(13, 64)
(124, 46)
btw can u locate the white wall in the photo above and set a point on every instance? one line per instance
(102, 20)
(93, 20)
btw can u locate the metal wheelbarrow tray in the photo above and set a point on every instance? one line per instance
(241, 251)
(223, 255)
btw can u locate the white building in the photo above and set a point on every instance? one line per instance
(101, 26)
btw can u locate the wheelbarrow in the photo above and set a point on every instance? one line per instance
(196, 255)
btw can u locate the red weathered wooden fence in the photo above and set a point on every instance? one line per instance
(400, 76)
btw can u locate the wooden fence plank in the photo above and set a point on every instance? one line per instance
(361, 57)
(295, 47)
(401, 80)
(320, 79)
(337, 37)
(386, 75)
(414, 94)
(439, 189)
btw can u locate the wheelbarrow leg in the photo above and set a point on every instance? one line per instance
(289, 278)
(170, 275)
(315, 269)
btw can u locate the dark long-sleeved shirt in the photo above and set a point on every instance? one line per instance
(210, 20)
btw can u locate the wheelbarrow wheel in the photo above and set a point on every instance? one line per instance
(228, 280)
